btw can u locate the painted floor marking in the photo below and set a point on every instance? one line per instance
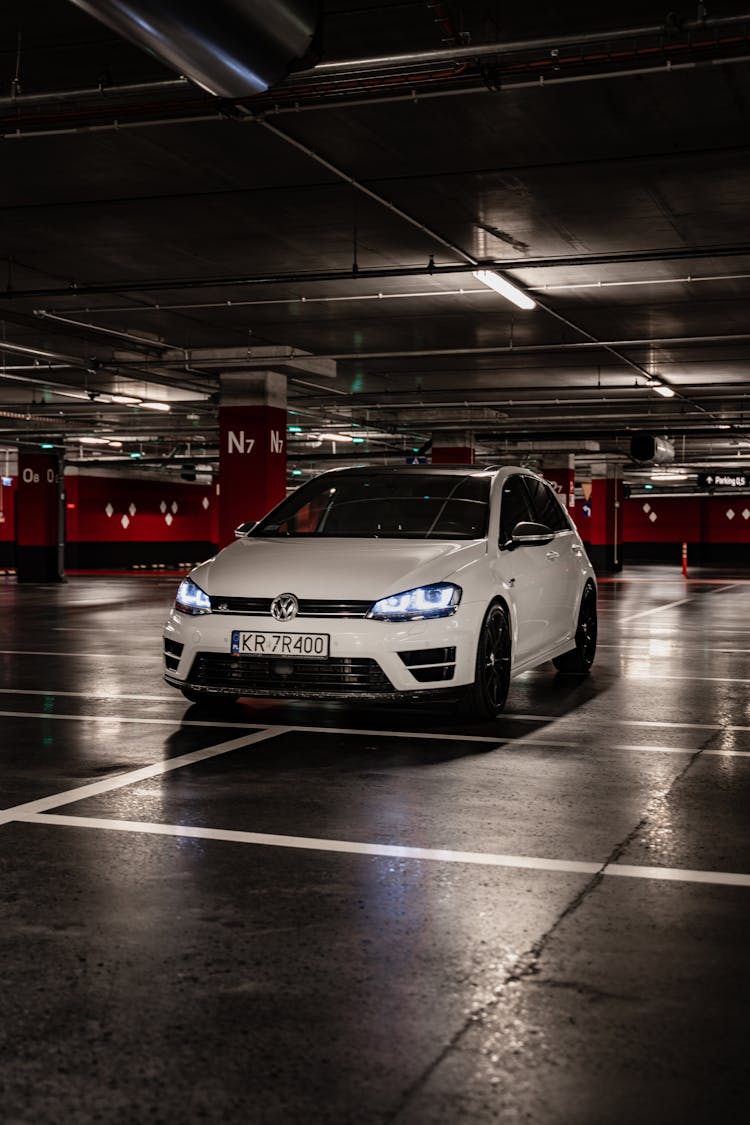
(174, 698)
(136, 720)
(642, 647)
(683, 750)
(254, 723)
(130, 777)
(393, 851)
(156, 653)
(648, 675)
(655, 609)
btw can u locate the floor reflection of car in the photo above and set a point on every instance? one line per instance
(387, 583)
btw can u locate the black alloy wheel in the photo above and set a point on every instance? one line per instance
(487, 695)
(578, 660)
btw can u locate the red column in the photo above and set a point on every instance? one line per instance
(252, 450)
(563, 479)
(606, 523)
(39, 519)
(453, 447)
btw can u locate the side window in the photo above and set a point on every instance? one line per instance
(547, 507)
(515, 506)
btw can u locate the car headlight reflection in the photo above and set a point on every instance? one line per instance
(440, 600)
(191, 599)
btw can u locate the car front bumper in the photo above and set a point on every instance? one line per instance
(367, 659)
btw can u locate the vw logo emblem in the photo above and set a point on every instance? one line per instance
(284, 607)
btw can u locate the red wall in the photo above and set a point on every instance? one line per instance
(687, 519)
(188, 514)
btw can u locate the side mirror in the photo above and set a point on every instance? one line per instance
(242, 529)
(526, 534)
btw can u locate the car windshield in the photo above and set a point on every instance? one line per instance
(388, 506)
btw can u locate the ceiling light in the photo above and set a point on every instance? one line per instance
(126, 400)
(93, 440)
(116, 444)
(155, 405)
(505, 288)
(662, 389)
(338, 437)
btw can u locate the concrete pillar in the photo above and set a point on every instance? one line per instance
(252, 449)
(605, 549)
(560, 471)
(453, 447)
(40, 539)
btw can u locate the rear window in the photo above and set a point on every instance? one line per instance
(387, 506)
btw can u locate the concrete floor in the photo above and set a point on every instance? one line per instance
(351, 915)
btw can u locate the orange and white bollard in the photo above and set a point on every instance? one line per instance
(684, 560)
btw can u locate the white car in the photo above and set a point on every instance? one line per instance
(386, 583)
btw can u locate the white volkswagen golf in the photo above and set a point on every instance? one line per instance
(388, 583)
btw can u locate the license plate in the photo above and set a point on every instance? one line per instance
(304, 645)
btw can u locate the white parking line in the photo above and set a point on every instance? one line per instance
(497, 739)
(155, 652)
(392, 851)
(174, 698)
(656, 609)
(130, 777)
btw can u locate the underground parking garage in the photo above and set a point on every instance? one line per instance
(374, 563)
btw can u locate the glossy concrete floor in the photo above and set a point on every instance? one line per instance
(351, 915)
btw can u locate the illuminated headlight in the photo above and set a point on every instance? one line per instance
(440, 600)
(191, 599)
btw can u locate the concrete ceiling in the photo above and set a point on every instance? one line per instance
(152, 235)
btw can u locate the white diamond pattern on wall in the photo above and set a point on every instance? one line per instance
(168, 519)
(163, 507)
(647, 508)
(109, 510)
(205, 502)
(652, 517)
(730, 513)
(125, 521)
(746, 514)
(174, 507)
(132, 509)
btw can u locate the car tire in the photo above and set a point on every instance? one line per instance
(209, 698)
(486, 697)
(579, 659)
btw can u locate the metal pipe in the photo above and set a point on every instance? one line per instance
(156, 345)
(665, 254)
(518, 46)
(140, 375)
(453, 293)
(360, 187)
(127, 90)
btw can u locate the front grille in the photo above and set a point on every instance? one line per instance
(429, 665)
(259, 675)
(261, 607)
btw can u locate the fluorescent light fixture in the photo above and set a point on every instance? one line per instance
(155, 405)
(358, 440)
(47, 445)
(135, 455)
(93, 440)
(294, 429)
(505, 288)
(663, 390)
(337, 437)
(116, 444)
(126, 400)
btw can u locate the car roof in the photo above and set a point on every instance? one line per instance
(427, 470)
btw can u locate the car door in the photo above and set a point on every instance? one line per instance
(524, 572)
(562, 556)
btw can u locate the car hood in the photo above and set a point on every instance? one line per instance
(357, 569)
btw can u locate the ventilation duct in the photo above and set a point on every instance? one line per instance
(231, 48)
(647, 447)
